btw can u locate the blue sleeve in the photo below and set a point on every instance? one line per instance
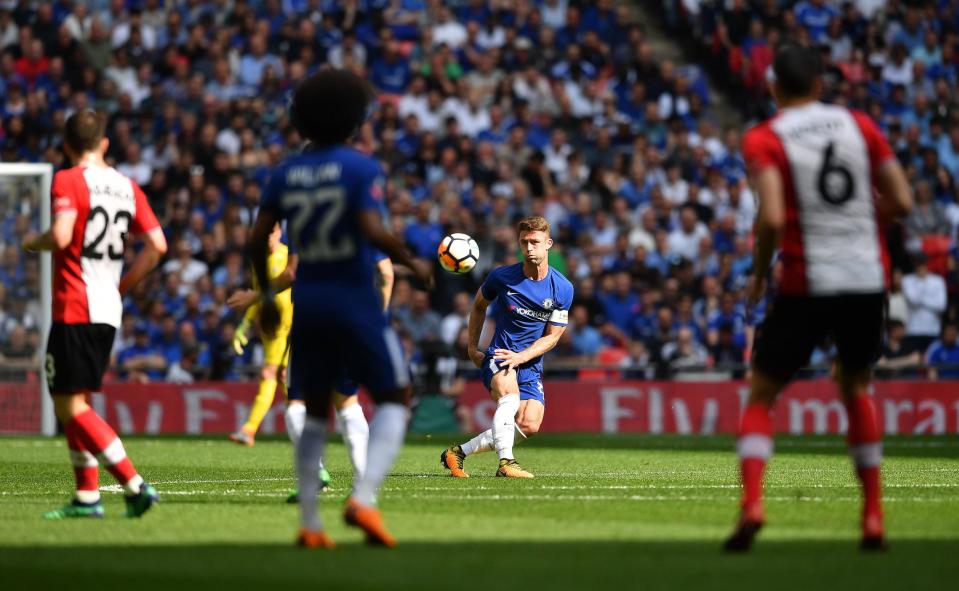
(379, 255)
(492, 286)
(272, 194)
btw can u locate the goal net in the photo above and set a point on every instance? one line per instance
(25, 295)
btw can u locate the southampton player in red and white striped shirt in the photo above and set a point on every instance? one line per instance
(827, 183)
(94, 209)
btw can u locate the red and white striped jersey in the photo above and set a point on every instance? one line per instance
(86, 274)
(828, 157)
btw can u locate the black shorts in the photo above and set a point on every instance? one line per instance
(795, 325)
(78, 356)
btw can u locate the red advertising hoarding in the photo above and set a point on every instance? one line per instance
(572, 406)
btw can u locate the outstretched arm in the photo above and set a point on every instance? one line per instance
(56, 238)
(541, 346)
(477, 317)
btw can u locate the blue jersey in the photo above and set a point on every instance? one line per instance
(321, 192)
(523, 307)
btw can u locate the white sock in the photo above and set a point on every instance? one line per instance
(309, 453)
(295, 416)
(479, 444)
(356, 435)
(132, 487)
(504, 425)
(386, 437)
(88, 496)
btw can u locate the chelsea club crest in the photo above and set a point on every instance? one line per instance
(548, 303)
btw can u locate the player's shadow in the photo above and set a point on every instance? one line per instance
(583, 565)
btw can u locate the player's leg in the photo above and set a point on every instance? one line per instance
(274, 351)
(309, 454)
(77, 356)
(352, 424)
(376, 360)
(86, 500)
(859, 327)
(504, 388)
(295, 419)
(784, 342)
(453, 457)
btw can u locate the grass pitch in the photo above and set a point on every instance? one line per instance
(603, 513)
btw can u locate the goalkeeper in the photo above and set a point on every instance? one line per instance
(275, 351)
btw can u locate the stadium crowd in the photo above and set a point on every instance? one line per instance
(487, 110)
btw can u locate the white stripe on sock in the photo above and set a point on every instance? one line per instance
(81, 458)
(88, 496)
(866, 455)
(754, 445)
(113, 453)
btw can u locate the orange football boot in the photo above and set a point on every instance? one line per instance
(510, 469)
(314, 539)
(370, 521)
(452, 459)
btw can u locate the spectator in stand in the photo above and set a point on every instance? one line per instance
(943, 355)
(895, 359)
(454, 322)
(418, 321)
(142, 361)
(468, 96)
(926, 297)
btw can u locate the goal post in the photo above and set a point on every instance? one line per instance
(25, 188)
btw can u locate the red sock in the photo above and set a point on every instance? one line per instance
(102, 441)
(85, 466)
(755, 446)
(865, 447)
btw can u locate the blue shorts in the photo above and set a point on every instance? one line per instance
(344, 386)
(530, 380)
(332, 342)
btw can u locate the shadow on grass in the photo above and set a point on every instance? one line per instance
(897, 446)
(488, 566)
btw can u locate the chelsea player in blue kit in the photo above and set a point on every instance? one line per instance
(531, 311)
(331, 196)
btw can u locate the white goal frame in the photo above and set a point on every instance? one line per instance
(48, 422)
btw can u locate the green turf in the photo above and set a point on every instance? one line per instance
(603, 513)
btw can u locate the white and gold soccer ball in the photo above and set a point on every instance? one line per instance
(458, 253)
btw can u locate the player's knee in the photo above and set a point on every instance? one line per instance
(281, 375)
(397, 396)
(851, 382)
(529, 428)
(268, 372)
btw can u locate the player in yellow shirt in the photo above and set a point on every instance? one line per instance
(275, 351)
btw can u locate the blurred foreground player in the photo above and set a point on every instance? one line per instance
(94, 209)
(531, 311)
(332, 197)
(350, 420)
(827, 183)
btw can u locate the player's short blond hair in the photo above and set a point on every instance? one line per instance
(533, 223)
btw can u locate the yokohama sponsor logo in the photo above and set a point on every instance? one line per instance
(541, 316)
(688, 408)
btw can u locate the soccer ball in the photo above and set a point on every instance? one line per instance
(458, 253)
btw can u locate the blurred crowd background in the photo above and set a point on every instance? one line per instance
(486, 111)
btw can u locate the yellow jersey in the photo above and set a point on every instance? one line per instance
(275, 265)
